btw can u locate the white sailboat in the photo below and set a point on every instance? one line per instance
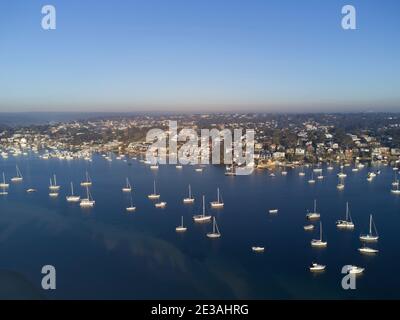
(318, 242)
(312, 180)
(18, 177)
(189, 199)
(315, 267)
(395, 182)
(181, 228)
(395, 190)
(341, 174)
(218, 203)
(131, 208)
(53, 184)
(215, 233)
(4, 184)
(370, 236)
(3, 187)
(348, 223)
(313, 215)
(87, 182)
(154, 195)
(273, 211)
(88, 201)
(258, 249)
(340, 185)
(202, 217)
(72, 197)
(301, 173)
(128, 187)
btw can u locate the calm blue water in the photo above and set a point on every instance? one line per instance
(105, 252)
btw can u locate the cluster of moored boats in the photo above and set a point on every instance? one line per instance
(312, 216)
(346, 224)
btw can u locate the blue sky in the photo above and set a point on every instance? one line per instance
(203, 55)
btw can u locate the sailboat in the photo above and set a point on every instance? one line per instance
(318, 242)
(329, 167)
(218, 203)
(18, 177)
(312, 180)
(215, 233)
(370, 236)
(53, 184)
(4, 184)
(189, 199)
(395, 182)
(72, 197)
(88, 201)
(202, 217)
(131, 208)
(395, 190)
(87, 182)
(3, 187)
(314, 214)
(301, 173)
(154, 195)
(341, 174)
(258, 249)
(348, 223)
(53, 188)
(340, 185)
(315, 267)
(160, 205)
(181, 228)
(128, 187)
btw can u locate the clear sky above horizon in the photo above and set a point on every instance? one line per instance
(203, 55)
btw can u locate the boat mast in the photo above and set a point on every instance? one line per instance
(72, 189)
(370, 224)
(204, 208)
(218, 195)
(190, 192)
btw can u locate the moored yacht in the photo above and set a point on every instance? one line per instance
(88, 201)
(309, 227)
(160, 205)
(370, 236)
(215, 232)
(315, 267)
(189, 199)
(202, 217)
(127, 187)
(4, 184)
(258, 249)
(368, 250)
(87, 182)
(219, 203)
(355, 270)
(154, 195)
(72, 197)
(131, 208)
(318, 242)
(181, 228)
(340, 185)
(314, 214)
(348, 223)
(18, 177)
